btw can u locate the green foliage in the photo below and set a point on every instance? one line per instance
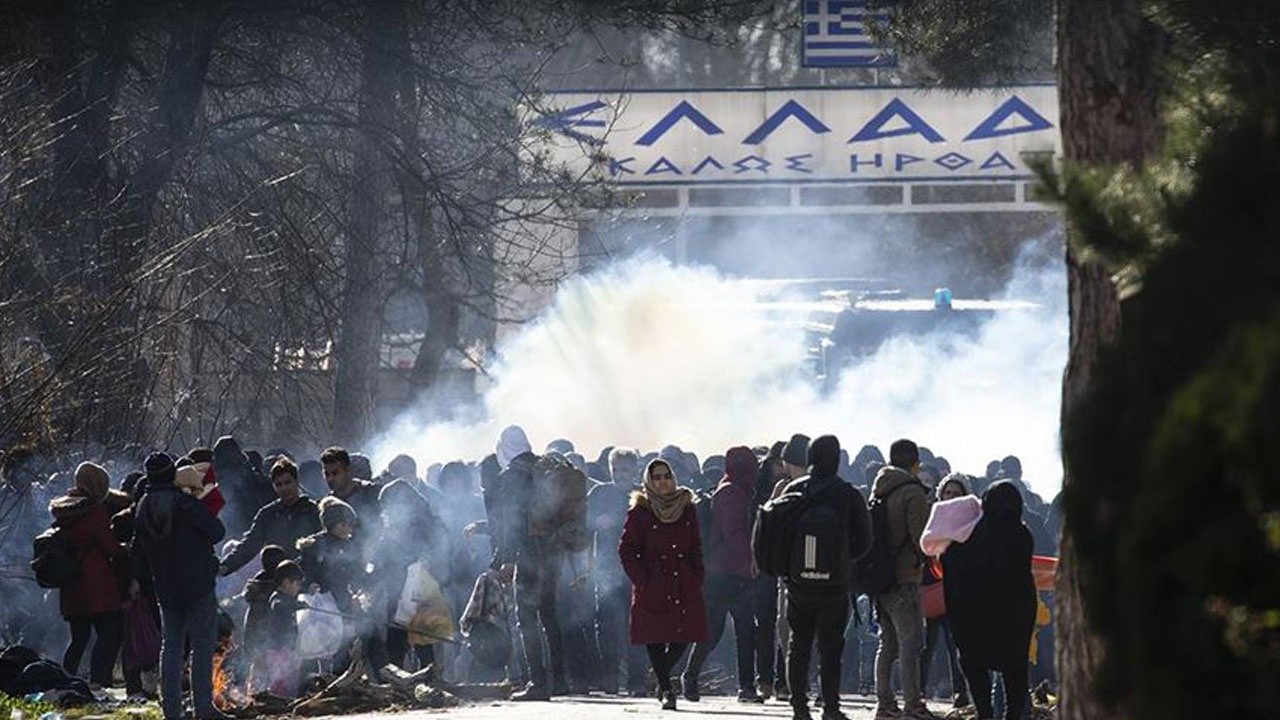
(966, 43)
(9, 705)
(1175, 505)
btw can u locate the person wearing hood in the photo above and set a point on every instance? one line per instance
(819, 610)
(730, 571)
(991, 600)
(173, 541)
(93, 601)
(244, 486)
(413, 532)
(537, 567)
(937, 631)
(283, 522)
(901, 620)
(661, 552)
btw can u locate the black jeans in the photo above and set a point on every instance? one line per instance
(1016, 687)
(663, 657)
(728, 596)
(764, 590)
(109, 627)
(536, 576)
(824, 616)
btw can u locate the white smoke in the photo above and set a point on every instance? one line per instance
(647, 353)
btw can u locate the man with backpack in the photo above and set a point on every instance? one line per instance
(890, 576)
(811, 536)
(536, 513)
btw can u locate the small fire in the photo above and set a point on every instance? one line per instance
(220, 680)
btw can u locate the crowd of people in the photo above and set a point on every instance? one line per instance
(564, 575)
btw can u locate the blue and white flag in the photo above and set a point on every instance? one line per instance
(835, 35)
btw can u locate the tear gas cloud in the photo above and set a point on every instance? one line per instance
(647, 353)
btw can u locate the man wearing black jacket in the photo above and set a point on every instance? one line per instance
(174, 535)
(823, 611)
(283, 522)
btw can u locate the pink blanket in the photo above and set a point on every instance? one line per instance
(950, 521)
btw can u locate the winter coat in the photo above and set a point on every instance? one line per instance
(363, 498)
(173, 541)
(848, 500)
(282, 622)
(991, 595)
(908, 514)
(664, 563)
(507, 505)
(276, 524)
(731, 510)
(335, 565)
(245, 489)
(88, 532)
(257, 595)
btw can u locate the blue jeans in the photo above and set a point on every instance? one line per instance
(197, 622)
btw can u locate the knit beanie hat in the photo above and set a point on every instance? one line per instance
(824, 457)
(334, 512)
(159, 467)
(92, 481)
(796, 451)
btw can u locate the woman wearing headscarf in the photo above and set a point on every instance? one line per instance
(937, 630)
(92, 602)
(661, 553)
(991, 600)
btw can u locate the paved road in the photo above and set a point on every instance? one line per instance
(857, 707)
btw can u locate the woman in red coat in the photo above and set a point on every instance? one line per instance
(662, 555)
(93, 601)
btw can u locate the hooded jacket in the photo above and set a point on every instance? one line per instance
(731, 510)
(664, 563)
(991, 595)
(276, 524)
(88, 532)
(173, 541)
(507, 506)
(908, 514)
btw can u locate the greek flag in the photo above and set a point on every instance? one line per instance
(835, 35)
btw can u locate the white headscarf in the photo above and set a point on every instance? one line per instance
(511, 443)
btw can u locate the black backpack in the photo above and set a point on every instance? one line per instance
(52, 560)
(876, 572)
(820, 555)
(778, 547)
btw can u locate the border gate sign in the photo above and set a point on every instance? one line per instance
(801, 135)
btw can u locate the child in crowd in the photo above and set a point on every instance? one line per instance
(257, 593)
(282, 634)
(197, 480)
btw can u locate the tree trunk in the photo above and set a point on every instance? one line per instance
(360, 329)
(1109, 82)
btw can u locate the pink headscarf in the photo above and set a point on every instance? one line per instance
(950, 521)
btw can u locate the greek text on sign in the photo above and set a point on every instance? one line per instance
(813, 135)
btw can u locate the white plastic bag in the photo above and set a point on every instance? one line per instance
(422, 609)
(319, 633)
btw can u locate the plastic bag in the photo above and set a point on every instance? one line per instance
(319, 633)
(423, 610)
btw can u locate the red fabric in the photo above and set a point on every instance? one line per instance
(141, 635)
(933, 600)
(731, 516)
(664, 563)
(96, 590)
